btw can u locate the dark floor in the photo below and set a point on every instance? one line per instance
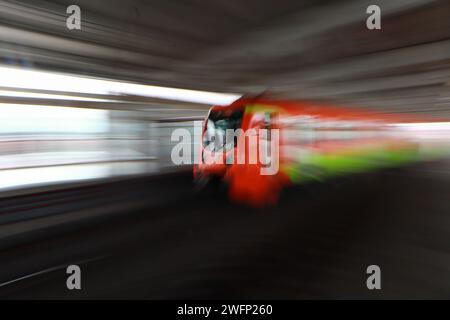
(317, 243)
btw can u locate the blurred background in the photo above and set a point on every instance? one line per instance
(86, 176)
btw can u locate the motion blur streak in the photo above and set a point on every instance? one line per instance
(317, 142)
(87, 177)
(38, 80)
(56, 135)
(47, 96)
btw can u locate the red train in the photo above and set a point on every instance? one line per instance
(257, 146)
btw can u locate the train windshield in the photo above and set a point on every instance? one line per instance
(226, 119)
(218, 123)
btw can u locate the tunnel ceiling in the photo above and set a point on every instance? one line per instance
(315, 50)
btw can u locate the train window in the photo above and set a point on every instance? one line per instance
(224, 120)
(218, 123)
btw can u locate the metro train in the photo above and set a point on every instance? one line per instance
(306, 141)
